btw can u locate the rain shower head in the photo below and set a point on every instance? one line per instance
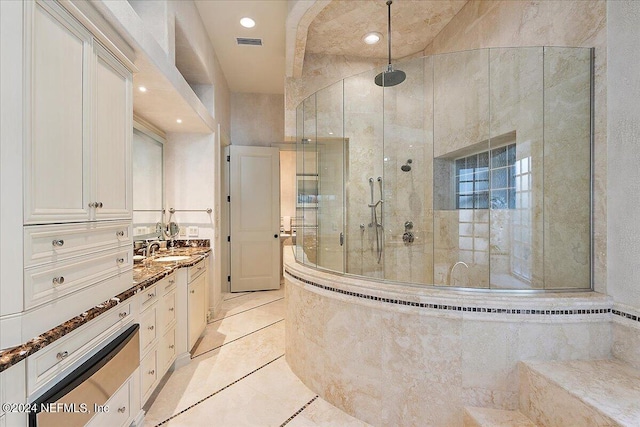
(406, 167)
(390, 77)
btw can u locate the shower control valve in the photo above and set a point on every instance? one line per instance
(408, 237)
(408, 225)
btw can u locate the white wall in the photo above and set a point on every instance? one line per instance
(623, 151)
(257, 119)
(190, 183)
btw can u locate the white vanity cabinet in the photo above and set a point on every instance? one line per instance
(157, 333)
(78, 123)
(197, 301)
(13, 391)
(167, 349)
(148, 303)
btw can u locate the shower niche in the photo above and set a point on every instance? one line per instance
(498, 189)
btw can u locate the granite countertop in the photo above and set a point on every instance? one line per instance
(145, 274)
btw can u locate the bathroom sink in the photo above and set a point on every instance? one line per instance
(172, 258)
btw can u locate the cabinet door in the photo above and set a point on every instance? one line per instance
(166, 351)
(57, 153)
(112, 133)
(197, 309)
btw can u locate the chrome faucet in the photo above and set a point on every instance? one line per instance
(150, 251)
(451, 282)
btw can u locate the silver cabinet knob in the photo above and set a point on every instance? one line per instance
(58, 242)
(151, 328)
(123, 315)
(120, 260)
(122, 410)
(99, 204)
(152, 372)
(151, 295)
(171, 309)
(193, 292)
(120, 233)
(62, 355)
(171, 346)
(58, 280)
(93, 205)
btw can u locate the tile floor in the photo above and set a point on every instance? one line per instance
(238, 375)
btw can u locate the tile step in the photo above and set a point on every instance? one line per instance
(488, 417)
(586, 392)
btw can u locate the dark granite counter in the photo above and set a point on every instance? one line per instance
(145, 274)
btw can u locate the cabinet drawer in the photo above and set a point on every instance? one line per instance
(196, 270)
(51, 281)
(167, 284)
(148, 328)
(167, 350)
(49, 243)
(119, 408)
(147, 297)
(53, 359)
(168, 309)
(148, 374)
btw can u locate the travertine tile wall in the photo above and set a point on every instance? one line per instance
(400, 365)
(623, 132)
(623, 174)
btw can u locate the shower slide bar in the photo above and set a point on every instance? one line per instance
(374, 217)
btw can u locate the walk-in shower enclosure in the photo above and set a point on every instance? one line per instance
(498, 192)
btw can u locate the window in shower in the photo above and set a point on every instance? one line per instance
(486, 180)
(521, 224)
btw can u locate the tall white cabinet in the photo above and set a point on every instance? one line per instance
(78, 124)
(112, 134)
(66, 176)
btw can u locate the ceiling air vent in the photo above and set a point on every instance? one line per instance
(249, 42)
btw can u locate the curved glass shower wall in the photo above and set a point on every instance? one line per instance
(475, 172)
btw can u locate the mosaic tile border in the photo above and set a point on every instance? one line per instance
(298, 412)
(629, 316)
(218, 391)
(467, 309)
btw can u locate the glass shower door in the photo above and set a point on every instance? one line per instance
(330, 157)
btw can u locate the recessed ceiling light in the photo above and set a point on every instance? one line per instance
(179, 121)
(142, 89)
(247, 22)
(372, 38)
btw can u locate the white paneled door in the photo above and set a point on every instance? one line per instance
(255, 218)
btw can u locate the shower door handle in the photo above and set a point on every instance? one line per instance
(341, 239)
